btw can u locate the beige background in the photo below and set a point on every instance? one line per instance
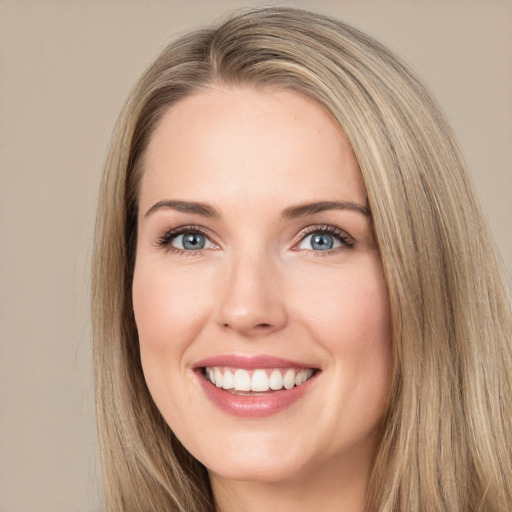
(65, 69)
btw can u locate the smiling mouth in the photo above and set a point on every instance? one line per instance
(240, 381)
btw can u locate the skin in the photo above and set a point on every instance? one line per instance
(259, 287)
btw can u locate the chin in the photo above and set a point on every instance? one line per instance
(273, 457)
(262, 470)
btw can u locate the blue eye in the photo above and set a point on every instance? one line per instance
(324, 240)
(191, 241)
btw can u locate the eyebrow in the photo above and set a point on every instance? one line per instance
(303, 210)
(204, 209)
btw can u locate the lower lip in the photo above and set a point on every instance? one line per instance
(256, 406)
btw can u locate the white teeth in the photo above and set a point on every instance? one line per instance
(260, 380)
(289, 379)
(242, 380)
(218, 378)
(276, 380)
(228, 381)
(303, 376)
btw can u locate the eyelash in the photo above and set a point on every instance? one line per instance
(347, 242)
(164, 241)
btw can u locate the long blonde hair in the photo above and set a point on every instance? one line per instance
(447, 434)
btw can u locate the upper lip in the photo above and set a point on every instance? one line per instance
(250, 362)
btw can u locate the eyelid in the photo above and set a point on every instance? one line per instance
(165, 239)
(346, 240)
(167, 236)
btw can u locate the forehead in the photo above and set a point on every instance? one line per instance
(239, 140)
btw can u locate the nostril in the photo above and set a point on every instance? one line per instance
(258, 326)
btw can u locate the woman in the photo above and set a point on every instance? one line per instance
(296, 298)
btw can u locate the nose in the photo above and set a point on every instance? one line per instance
(251, 303)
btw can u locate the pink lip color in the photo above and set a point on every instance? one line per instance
(252, 406)
(250, 362)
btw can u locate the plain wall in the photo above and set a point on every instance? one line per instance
(65, 70)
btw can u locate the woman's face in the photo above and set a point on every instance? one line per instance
(258, 292)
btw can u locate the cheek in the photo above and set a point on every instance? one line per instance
(167, 320)
(350, 317)
(151, 311)
(167, 315)
(368, 354)
(168, 311)
(349, 305)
